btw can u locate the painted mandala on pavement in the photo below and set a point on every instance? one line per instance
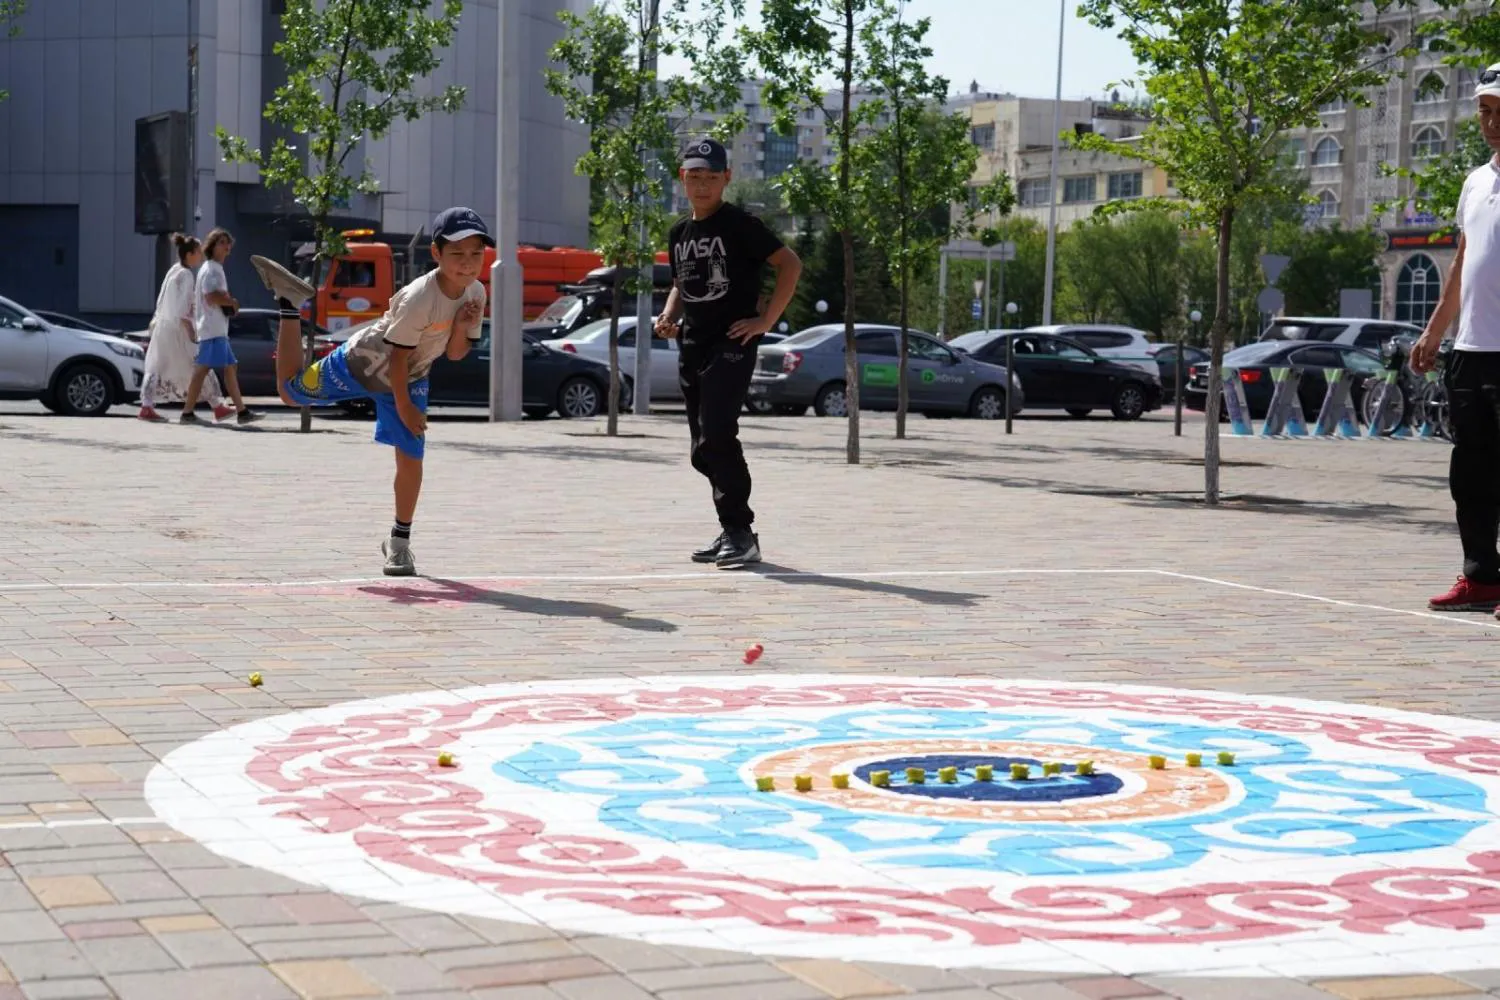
(631, 808)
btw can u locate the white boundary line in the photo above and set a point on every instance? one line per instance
(1485, 622)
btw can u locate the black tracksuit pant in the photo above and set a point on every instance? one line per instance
(1473, 379)
(715, 376)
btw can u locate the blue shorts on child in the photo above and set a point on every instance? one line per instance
(215, 352)
(328, 381)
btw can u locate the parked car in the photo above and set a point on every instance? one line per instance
(1256, 361)
(591, 299)
(592, 341)
(571, 384)
(1062, 374)
(1123, 343)
(1367, 333)
(807, 369)
(74, 323)
(252, 337)
(73, 372)
(1165, 356)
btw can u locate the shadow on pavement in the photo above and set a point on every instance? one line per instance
(455, 592)
(785, 574)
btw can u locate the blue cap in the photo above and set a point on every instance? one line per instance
(454, 224)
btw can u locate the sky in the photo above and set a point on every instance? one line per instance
(1011, 46)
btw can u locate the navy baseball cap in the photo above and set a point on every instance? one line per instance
(454, 224)
(705, 154)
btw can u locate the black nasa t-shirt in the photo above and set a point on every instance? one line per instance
(717, 264)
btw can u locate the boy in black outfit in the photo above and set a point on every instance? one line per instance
(717, 256)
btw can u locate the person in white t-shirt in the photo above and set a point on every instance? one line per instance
(213, 307)
(169, 356)
(1472, 371)
(387, 362)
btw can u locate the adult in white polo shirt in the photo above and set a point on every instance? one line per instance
(1473, 369)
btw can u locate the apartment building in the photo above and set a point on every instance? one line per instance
(80, 76)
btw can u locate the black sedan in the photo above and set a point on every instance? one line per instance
(572, 385)
(1058, 373)
(1165, 356)
(1255, 363)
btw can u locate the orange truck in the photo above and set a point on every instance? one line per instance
(360, 284)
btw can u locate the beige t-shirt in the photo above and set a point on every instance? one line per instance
(420, 317)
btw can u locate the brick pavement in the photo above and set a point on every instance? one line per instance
(108, 663)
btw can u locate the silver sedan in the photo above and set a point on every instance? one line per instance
(807, 369)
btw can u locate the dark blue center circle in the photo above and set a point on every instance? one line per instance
(1002, 788)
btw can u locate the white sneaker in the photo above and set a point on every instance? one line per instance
(282, 283)
(398, 558)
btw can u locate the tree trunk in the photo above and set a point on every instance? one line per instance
(903, 391)
(1215, 359)
(851, 352)
(612, 427)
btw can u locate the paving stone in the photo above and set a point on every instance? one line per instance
(839, 980)
(600, 988)
(249, 982)
(44, 960)
(404, 974)
(1392, 987)
(325, 980)
(67, 989)
(69, 890)
(132, 953)
(522, 973)
(780, 989)
(201, 949)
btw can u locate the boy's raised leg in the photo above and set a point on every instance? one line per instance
(290, 291)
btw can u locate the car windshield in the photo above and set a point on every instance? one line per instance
(562, 312)
(973, 340)
(1253, 353)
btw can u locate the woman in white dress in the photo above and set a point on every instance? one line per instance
(169, 355)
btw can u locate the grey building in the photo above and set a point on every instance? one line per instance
(81, 72)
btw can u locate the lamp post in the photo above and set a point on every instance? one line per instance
(1062, 19)
(1010, 359)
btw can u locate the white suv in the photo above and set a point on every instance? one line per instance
(1371, 334)
(73, 372)
(1125, 344)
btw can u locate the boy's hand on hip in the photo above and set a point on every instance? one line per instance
(666, 328)
(746, 330)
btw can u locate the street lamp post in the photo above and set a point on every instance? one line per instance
(1062, 18)
(1010, 360)
(505, 275)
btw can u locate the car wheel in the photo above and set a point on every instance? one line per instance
(48, 400)
(790, 410)
(536, 412)
(1129, 402)
(988, 404)
(83, 390)
(579, 397)
(1078, 413)
(832, 401)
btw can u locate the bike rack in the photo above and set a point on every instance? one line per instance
(1284, 417)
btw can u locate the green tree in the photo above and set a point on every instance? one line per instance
(764, 197)
(10, 26)
(1020, 281)
(822, 280)
(799, 43)
(1324, 261)
(607, 80)
(1227, 80)
(352, 68)
(1124, 269)
(914, 169)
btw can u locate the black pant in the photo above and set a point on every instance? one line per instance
(715, 377)
(1473, 379)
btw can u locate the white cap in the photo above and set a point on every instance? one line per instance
(1493, 87)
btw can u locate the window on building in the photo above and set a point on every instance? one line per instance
(983, 135)
(1337, 104)
(1033, 192)
(1328, 205)
(1078, 189)
(1417, 288)
(781, 151)
(1296, 152)
(1328, 153)
(1125, 185)
(1428, 143)
(1432, 90)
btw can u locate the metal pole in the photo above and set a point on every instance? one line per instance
(1010, 380)
(986, 288)
(644, 335)
(192, 137)
(1062, 17)
(999, 307)
(1178, 387)
(942, 293)
(505, 276)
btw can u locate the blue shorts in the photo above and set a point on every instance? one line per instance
(328, 381)
(215, 353)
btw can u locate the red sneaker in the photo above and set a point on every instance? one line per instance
(1467, 595)
(150, 415)
(223, 412)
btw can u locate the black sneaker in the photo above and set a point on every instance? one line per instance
(248, 417)
(711, 553)
(740, 550)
